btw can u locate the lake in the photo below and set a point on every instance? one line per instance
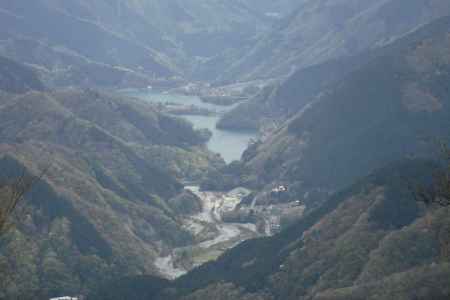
(229, 144)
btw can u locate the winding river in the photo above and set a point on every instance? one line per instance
(229, 144)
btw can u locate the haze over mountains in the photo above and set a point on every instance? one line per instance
(126, 42)
(320, 30)
(370, 240)
(395, 99)
(349, 98)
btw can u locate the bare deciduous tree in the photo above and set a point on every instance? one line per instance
(12, 192)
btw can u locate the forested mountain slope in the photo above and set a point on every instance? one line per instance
(17, 78)
(280, 101)
(124, 42)
(102, 210)
(358, 144)
(353, 134)
(39, 33)
(390, 108)
(372, 239)
(369, 241)
(276, 9)
(321, 30)
(158, 23)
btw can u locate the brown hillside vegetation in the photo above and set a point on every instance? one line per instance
(102, 210)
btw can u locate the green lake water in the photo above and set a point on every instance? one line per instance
(229, 144)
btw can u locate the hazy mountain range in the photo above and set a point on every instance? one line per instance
(353, 96)
(126, 42)
(351, 245)
(320, 30)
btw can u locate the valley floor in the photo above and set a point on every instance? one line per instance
(213, 235)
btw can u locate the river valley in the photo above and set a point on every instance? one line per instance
(213, 235)
(214, 228)
(229, 144)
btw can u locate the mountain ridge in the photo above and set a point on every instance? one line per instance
(392, 87)
(319, 31)
(17, 78)
(343, 232)
(103, 208)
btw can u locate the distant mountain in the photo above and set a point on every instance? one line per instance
(103, 209)
(124, 42)
(272, 7)
(321, 30)
(372, 240)
(391, 107)
(364, 235)
(162, 24)
(355, 123)
(40, 34)
(135, 43)
(279, 101)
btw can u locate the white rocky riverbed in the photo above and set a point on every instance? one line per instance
(213, 235)
(219, 235)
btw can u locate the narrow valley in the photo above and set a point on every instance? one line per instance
(229, 144)
(225, 150)
(213, 235)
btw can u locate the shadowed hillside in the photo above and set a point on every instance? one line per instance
(352, 246)
(342, 195)
(367, 236)
(387, 109)
(317, 31)
(126, 43)
(102, 210)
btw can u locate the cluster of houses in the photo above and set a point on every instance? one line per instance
(280, 192)
(280, 189)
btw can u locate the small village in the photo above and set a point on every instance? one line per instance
(68, 298)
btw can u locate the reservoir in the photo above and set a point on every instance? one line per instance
(229, 144)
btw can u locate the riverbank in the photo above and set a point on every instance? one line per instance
(213, 236)
(215, 230)
(229, 144)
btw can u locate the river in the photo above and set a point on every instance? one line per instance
(209, 219)
(229, 144)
